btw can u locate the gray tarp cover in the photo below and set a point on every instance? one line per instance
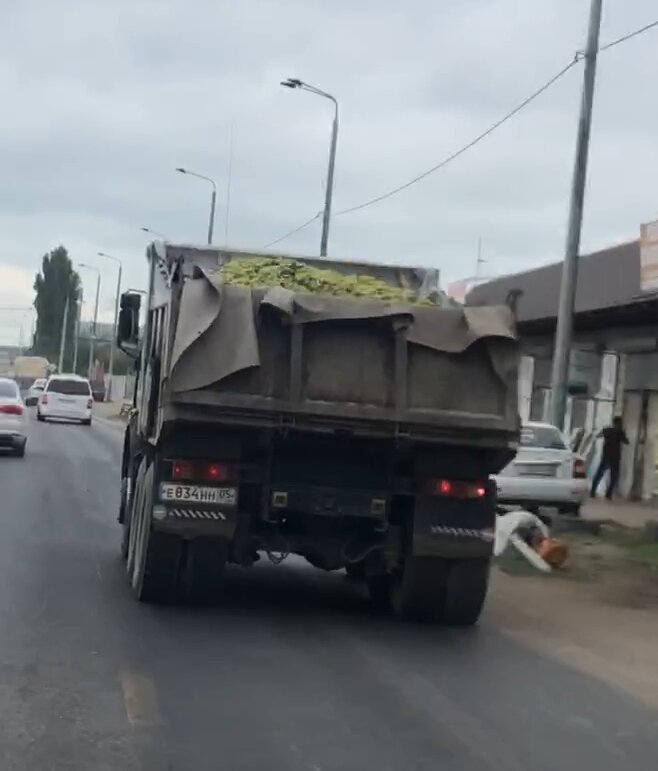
(216, 334)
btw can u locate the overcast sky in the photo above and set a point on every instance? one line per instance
(102, 100)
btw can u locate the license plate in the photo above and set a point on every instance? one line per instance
(536, 470)
(227, 496)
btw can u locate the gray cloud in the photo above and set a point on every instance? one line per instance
(102, 100)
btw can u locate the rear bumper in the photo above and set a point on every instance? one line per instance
(49, 412)
(559, 492)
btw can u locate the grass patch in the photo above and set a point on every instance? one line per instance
(644, 552)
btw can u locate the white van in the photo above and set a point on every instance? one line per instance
(67, 397)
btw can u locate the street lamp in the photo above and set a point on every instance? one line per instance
(92, 338)
(213, 198)
(296, 83)
(155, 233)
(116, 320)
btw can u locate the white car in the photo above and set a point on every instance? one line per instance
(66, 397)
(545, 472)
(13, 427)
(34, 391)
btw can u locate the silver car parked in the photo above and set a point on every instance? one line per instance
(545, 472)
(34, 391)
(13, 424)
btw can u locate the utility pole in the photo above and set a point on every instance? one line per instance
(115, 328)
(76, 339)
(62, 339)
(94, 335)
(564, 330)
(326, 215)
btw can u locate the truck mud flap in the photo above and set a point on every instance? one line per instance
(190, 519)
(454, 530)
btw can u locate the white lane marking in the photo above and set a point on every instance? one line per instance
(140, 699)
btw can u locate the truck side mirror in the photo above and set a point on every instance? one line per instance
(128, 325)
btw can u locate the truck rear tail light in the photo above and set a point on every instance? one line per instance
(90, 403)
(579, 468)
(455, 488)
(203, 471)
(44, 399)
(11, 409)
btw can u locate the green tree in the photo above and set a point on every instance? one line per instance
(53, 284)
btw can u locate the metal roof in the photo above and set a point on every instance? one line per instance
(608, 278)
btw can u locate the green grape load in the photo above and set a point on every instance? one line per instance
(259, 272)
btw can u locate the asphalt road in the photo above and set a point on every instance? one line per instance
(291, 674)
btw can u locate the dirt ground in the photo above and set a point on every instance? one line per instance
(598, 615)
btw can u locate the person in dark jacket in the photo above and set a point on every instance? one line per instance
(613, 438)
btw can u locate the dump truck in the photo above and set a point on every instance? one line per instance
(358, 434)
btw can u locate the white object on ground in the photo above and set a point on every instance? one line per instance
(507, 526)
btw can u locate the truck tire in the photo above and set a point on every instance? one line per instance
(204, 568)
(124, 517)
(466, 590)
(418, 593)
(379, 592)
(129, 532)
(156, 555)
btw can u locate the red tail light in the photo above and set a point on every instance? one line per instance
(203, 471)
(455, 488)
(579, 468)
(11, 409)
(44, 399)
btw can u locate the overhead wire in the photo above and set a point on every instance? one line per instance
(629, 36)
(468, 145)
(293, 231)
(476, 140)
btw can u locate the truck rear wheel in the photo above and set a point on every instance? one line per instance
(124, 516)
(156, 555)
(418, 593)
(466, 590)
(379, 591)
(129, 533)
(204, 568)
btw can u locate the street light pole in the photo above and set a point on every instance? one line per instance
(116, 321)
(329, 192)
(92, 337)
(564, 330)
(213, 198)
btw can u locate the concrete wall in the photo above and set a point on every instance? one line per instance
(122, 386)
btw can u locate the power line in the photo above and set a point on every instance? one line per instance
(630, 35)
(496, 125)
(474, 141)
(467, 146)
(292, 232)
